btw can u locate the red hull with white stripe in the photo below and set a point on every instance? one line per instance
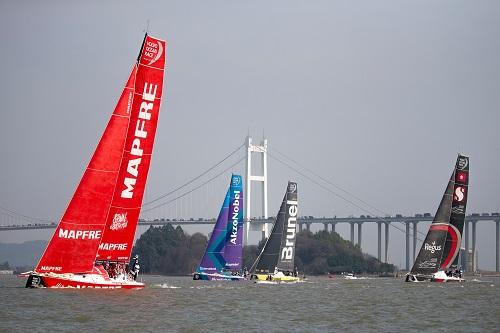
(78, 283)
(99, 278)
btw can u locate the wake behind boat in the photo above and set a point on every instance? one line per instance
(437, 260)
(222, 259)
(277, 258)
(91, 246)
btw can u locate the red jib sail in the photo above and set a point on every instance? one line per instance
(81, 230)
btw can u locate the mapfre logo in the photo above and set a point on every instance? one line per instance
(119, 221)
(79, 234)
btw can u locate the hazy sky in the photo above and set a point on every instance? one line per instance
(376, 96)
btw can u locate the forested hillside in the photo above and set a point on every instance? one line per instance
(170, 251)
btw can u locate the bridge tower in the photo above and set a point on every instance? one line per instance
(250, 177)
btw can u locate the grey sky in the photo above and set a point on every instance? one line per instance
(377, 96)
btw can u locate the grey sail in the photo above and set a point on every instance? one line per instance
(286, 258)
(279, 250)
(442, 243)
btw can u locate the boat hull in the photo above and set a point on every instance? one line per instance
(436, 277)
(217, 277)
(81, 281)
(279, 277)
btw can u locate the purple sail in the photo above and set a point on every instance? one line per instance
(234, 235)
(225, 247)
(213, 260)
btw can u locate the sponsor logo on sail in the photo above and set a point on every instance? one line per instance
(460, 209)
(152, 51)
(287, 252)
(459, 194)
(119, 221)
(51, 268)
(431, 263)
(113, 246)
(462, 163)
(432, 248)
(140, 134)
(461, 177)
(292, 187)
(234, 217)
(236, 180)
(79, 234)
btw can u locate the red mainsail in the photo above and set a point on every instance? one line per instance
(121, 223)
(106, 203)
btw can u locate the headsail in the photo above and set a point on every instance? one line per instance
(442, 244)
(213, 258)
(76, 239)
(224, 249)
(279, 250)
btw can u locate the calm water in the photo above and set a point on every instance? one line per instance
(173, 304)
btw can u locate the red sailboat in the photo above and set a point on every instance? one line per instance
(92, 244)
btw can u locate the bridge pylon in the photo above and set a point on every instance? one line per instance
(250, 177)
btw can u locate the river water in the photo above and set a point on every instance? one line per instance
(179, 304)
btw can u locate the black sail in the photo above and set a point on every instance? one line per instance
(279, 250)
(442, 243)
(459, 205)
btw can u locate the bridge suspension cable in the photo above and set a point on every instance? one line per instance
(330, 190)
(195, 188)
(16, 215)
(192, 180)
(329, 182)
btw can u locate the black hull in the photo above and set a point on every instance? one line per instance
(34, 281)
(417, 278)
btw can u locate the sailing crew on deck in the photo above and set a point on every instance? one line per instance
(134, 272)
(295, 272)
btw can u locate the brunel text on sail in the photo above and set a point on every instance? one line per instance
(287, 252)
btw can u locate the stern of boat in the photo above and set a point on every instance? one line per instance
(441, 276)
(34, 281)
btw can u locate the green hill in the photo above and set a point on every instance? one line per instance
(170, 251)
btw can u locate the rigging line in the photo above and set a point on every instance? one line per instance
(7, 214)
(336, 194)
(194, 179)
(197, 187)
(337, 186)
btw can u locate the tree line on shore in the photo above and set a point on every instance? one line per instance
(170, 251)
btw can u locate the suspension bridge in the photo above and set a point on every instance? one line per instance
(180, 206)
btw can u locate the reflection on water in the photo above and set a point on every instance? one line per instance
(179, 304)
